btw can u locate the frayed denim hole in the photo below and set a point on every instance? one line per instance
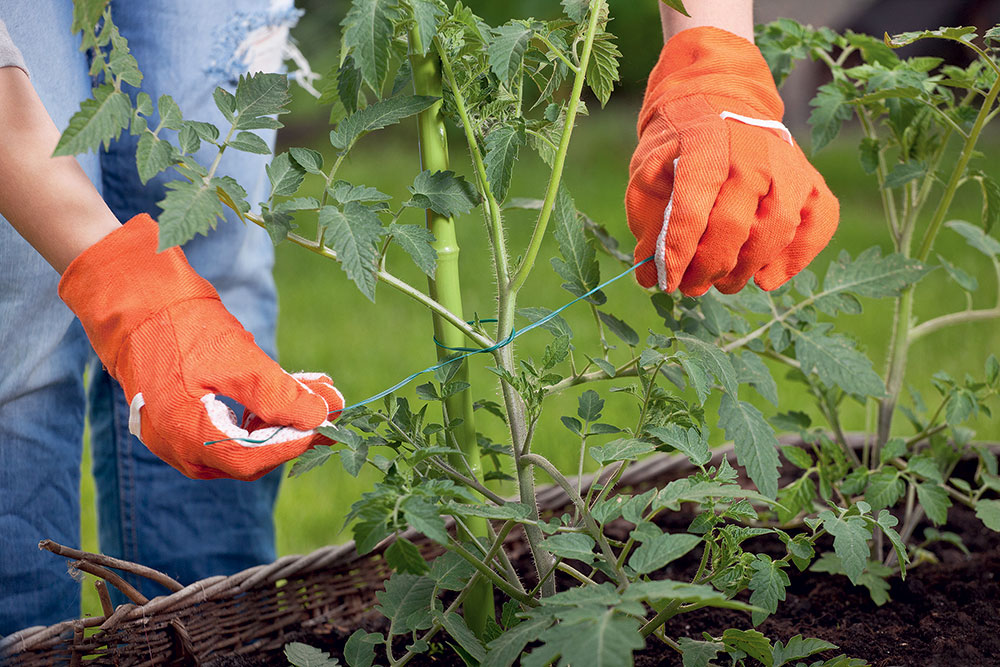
(251, 42)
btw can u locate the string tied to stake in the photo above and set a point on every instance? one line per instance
(466, 352)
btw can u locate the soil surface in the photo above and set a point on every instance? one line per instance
(944, 613)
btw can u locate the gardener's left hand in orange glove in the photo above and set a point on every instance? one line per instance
(162, 332)
(718, 190)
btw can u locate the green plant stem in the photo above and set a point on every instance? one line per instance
(661, 617)
(579, 467)
(445, 288)
(832, 414)
(474, 582)
(489, 574)
(623, 466)
(926, 433)
(471, 482)
(501, 553)
(958, 172)
(435, 306)
(930, 326)
(627, 369)
(505, 317)
(521, 274)
(600, 330)
(498, 242)
(576, 574)
(903, 313)
(896, 367)
(592, 527)
(508, 290)
(881, 170)
(558, 52)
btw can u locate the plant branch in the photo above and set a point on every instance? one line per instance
(881, 170)
(959, 170)
(558, 52)
(488, 572)
(932, 325)
(521, 274)
(627, 369)
(592, 527)
(494, 218)
(397, 284)
(471, 482)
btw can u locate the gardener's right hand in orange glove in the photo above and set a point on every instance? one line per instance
(162, 332)
(718, 190)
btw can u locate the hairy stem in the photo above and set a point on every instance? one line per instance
(592, 527)
(494, 218)
(521, 274)
(968, 148)
(900, 341)
(488, 573)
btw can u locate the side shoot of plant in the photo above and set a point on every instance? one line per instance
(516, 92)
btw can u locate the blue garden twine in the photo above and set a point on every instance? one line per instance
(468, 351)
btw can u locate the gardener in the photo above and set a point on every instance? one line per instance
(747, 204)
(157, 326)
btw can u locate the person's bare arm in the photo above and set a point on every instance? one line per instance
(736, 16)
(50, 201)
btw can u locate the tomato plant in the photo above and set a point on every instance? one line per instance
(517, 92)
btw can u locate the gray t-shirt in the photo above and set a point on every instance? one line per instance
(9, 54)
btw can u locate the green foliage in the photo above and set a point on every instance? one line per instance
(756, 446)
(359, 650)
(836, 361)
(578, 264)
(427, 14)
(602, 72)
(604, 640)
(153, 155)
(303, 655)
(406, 602)
(768, 584)
(576, 9)
(258, 97)
(352, 232)
(416, 241)
(443, 192)
(506, 89)
(188, 209)
(502, 145)
(377, 116)
(100, 120)
(988, 512)
(830, 112)
(506, 49)
(368, 32)
(850, 541)
(656, 548)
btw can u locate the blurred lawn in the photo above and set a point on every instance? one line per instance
(326, 324)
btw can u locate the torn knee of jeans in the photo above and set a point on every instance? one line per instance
(255, 41)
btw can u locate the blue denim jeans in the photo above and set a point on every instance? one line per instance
(147, 511)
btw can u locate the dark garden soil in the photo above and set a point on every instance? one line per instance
(944, 613)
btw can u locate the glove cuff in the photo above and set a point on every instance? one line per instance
(121, 281)
(723, 67)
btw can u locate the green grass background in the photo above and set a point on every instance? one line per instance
(326, 324)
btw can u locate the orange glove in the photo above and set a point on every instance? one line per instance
(162, 332)
(746, 202)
